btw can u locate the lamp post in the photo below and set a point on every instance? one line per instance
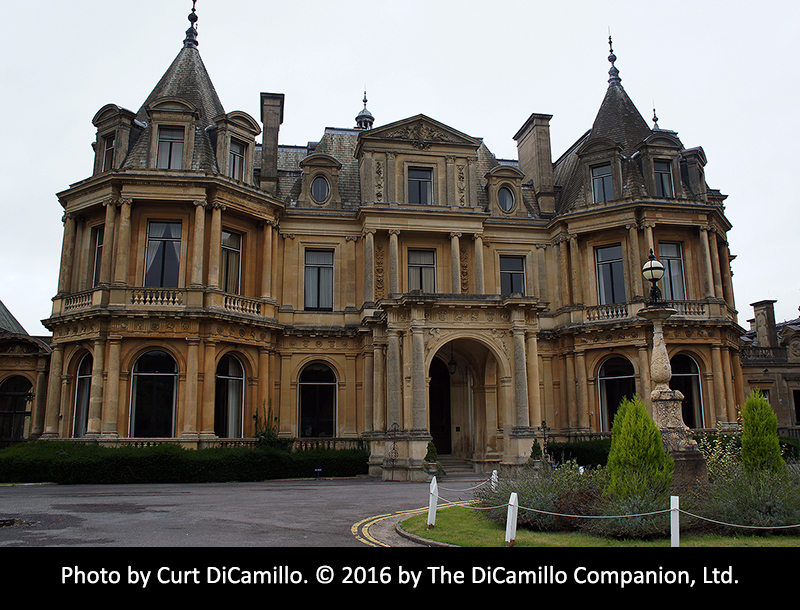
(690, 464)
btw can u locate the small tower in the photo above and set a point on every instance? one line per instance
(364, 119)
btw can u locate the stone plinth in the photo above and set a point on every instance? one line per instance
(690, 464)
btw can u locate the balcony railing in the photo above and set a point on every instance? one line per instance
(756, 355)
(157, 297)
(622, 311)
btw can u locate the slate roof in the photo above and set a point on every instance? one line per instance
(187, 79)
(8, 323)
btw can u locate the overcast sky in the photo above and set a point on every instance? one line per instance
(722, 73)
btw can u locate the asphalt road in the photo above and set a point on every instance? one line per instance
(309, 513)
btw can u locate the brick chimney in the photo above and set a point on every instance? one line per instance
(535, 159)
(766, 332)
(271, 119)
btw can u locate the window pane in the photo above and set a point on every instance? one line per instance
(610, 278)
(318, 279)
(163, 255)
(422, 270)
(231, 262)
(170, 148)
(602, 185)
(673, 286)
(320, 189)
(420, 185)
(663, 178)
(512, 274)
(506, 199)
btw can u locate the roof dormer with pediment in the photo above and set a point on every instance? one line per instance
(419, 161)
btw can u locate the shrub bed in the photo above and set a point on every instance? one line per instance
(584, 453)
(74, 463)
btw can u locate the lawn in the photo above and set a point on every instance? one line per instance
(467, 527)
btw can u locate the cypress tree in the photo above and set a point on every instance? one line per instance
(637, 461)
(761, 449)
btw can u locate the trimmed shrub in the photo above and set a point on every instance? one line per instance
(585, 453)
(760, 446)
(638, 464)
(78, 463)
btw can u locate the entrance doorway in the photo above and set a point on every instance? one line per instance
(439, 401)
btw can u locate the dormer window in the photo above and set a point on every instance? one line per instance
(108, 152)
(320, 189)
(505, 199)
(420, 185)
(663, 176)
(602, 183)
(236, 160)
(170, 148)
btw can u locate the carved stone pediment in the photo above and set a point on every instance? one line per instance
(421, 132)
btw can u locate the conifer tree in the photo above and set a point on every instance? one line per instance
(637, 460)
(761, 449)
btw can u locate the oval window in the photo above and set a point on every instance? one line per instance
(320, 189)
(506, 199)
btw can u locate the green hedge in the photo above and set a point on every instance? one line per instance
(77, 463)
(585, 453)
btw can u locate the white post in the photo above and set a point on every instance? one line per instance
(495, 479)
(674, 526)
(511, 519)
(432, 502)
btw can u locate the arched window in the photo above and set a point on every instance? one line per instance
(83, 385)
(317, 401)
(229, 400)
(686, 379)
(155, 384)
(15, 409)
(616, 381)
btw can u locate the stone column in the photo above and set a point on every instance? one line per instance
(637, 288)
(418, 383)
(369, 388)
(378, 392)
(709, 272)
(583, 390)
(521, 419)
(369, 267)
(575, 265)
(215, 247)
(96, 388)
(455, 263)
(67, 255)
(535, 406)
(394, 262)
(111, 394)
(267, 260)
(394, 378)
(108, 241)
(720, 407)
(53, 410)
(198, 243)
(564, 266)
(123, 245)
(209, 388)
(479, 281)
(191, 403)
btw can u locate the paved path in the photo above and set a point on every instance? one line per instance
(324, 513)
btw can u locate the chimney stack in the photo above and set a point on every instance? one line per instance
(271, 119)
(535, 159)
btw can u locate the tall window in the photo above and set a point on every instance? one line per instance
(170, 148)
(231, 263)
(602, 184)
(420, 185)
(163, 254)
(108, 153)
(83, 383)
(155, 384)
(422, 270)
(236, 160)
(229, 398)
(673, 287)
(610, 278)
(686, 379)
(616, 381)
(663, 176)
(98, 254)
(16, 394)
(319, 280)
(317, 400)
(512, 274)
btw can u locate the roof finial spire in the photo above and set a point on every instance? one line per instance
(613, 73)
(364, 119)
(655, 119)
(191, 33)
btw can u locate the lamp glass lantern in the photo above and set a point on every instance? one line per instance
(653, 271)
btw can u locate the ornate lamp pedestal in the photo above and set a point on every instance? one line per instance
(690, 465)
